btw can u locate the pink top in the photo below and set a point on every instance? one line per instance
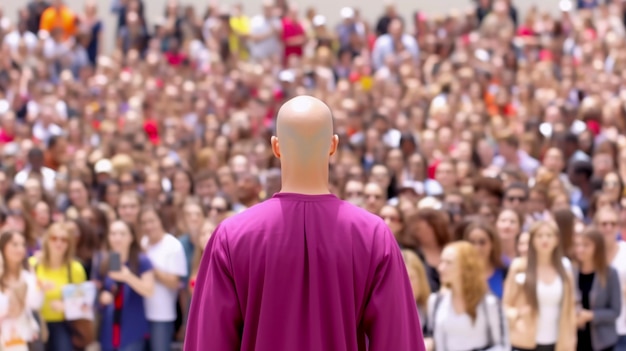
(306, 273)
(292, 29)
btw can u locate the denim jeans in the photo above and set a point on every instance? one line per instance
(621, 343)
(60, 337)
(136, 346)
(161, 334)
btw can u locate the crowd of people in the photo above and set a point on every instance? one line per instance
(493, 147)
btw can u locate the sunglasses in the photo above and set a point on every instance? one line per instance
(217, 209)
(57, 239)
(515, 198)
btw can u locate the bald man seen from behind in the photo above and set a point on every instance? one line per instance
(304, 270)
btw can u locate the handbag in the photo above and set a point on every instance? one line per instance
(82, 330)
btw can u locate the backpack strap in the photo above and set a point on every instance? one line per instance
(431, 318)
(490, 340)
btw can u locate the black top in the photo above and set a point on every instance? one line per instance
(585, 281)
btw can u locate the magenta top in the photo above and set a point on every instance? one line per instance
(306, 273)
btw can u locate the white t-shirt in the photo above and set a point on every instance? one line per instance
(167, 256)
(260, 25)
(619, 263)
(549, 297)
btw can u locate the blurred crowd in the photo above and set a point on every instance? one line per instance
(492, 144)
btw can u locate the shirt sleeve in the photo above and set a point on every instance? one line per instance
(390, 317)
(34, 295)
(177, 261)
(78, 273)
(215, 314)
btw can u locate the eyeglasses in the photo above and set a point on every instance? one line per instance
(354, 193)
(57, 239)
(375, 196)
(611, 184)
(516, 198)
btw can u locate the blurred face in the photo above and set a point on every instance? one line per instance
(392, 218)
(205, 189)
(424, 233)
(522, 244)
(32, 188)
(42, 214)
(15, 251)
(181, 183)
(611, 186)
(536, 202)
(112, 195)
(218, 209)
(515, 199)
(151, 224)
(545, 241)
(448, 266)
(374, 198)
(584, 249)
(446, 175)
(553, 161)
(508, 225)
(153, 184)
(193, 217)
(205, 234)
(78, 194)
(380, 176)
(607, 222)
(128, 209)
(487, 214)
(120, 237)
(481, 241)
(354, 192)
(58, 242)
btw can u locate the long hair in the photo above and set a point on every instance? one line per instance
(415, 266)
(5, 239)
(133, 252)
(565, 221)
(600, 263)
(472, 275)
(68, 255)
(199, 251)
(495, 256)
(556, 258)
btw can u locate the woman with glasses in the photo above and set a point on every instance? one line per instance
(487, 243)
(599, 294)
(606, 220)
(55, 269)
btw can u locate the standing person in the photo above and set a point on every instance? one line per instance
(539, 295)
(57, 268)
(297, 269)
(606, 220)
(465, 315)
(170, 267)
(599, 294)
(484, 237)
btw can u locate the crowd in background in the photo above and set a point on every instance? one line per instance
(492, 145)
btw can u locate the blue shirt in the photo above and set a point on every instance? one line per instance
(189, 248)
(496, 282)
(134, 324)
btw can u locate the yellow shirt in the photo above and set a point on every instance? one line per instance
(53, 280)
(239, 25)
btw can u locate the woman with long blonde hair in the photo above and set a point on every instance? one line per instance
(419, 282)
(464, 315)
(539, 295)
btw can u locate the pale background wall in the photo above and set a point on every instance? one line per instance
(330, 8)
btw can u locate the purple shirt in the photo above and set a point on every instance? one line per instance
(307, 273)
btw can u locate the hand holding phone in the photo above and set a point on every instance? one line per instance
(115, 264)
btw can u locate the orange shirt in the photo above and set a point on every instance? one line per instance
(63, 18)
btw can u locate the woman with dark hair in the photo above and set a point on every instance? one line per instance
(486, 241)
(87, 243)
(124, 325)
(427, 233)
(599, 294)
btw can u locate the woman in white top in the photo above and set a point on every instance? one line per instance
(539, 295)
(20, 328)
(464, 315)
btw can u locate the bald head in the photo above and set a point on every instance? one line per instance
(304, 129)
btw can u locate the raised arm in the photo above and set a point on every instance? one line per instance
(390, 319)
(215, 315)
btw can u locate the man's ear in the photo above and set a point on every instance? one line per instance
(275, 147)
(333, 144)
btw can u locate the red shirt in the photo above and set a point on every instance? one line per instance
(291, 29)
